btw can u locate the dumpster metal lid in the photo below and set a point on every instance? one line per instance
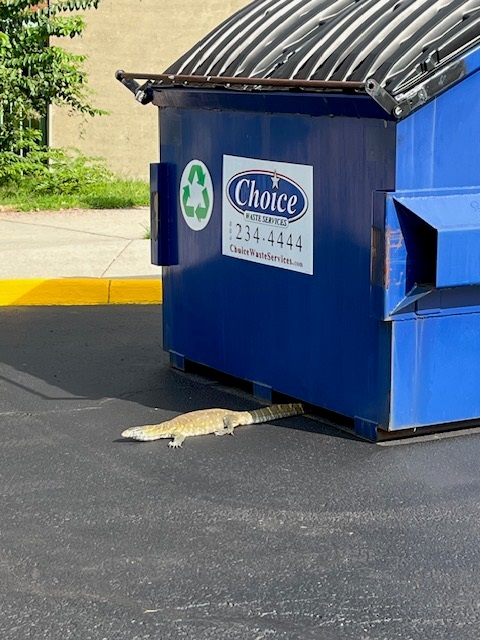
(401, 52)
(397, 43)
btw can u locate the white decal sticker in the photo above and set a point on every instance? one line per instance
(267, 213)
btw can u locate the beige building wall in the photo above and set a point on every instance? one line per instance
(133, 35)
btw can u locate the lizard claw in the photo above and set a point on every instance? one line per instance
(174, 445)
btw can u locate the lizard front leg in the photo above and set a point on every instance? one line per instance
(176, 443)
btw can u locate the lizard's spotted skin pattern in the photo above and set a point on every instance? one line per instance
(217, 421)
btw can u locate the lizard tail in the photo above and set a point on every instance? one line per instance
(276, 411)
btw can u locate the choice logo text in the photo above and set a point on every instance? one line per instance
(267, 197)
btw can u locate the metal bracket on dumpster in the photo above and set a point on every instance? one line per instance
(384, 99)
(129, 82)
(143, 93)
(163, 242)
(401, 105)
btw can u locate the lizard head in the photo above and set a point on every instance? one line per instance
(150, 432)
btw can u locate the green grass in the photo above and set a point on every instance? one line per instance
(147, 235)
(110, 194)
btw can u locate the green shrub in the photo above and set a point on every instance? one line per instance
(53, 170)
(56, 179)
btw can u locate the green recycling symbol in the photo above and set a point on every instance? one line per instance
(196, 195)
(196, 173)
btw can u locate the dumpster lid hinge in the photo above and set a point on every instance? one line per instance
(384, 99)
(401, 105)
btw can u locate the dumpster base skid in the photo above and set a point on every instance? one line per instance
(359, 427)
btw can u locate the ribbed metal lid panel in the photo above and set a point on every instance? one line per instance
(396, 42)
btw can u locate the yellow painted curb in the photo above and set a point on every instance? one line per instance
(80, 291)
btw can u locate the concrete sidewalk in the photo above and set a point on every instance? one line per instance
(77, 257)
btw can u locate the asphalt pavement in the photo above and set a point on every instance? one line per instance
(289, 530)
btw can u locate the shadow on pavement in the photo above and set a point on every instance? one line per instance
(65, 355)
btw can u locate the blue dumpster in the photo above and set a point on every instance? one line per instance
(316, 206)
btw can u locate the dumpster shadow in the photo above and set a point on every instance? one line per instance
(68, 358)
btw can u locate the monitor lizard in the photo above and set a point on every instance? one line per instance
(217, 421)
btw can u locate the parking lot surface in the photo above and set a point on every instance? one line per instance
(289, 530)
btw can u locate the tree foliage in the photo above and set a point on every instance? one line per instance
(35, 73)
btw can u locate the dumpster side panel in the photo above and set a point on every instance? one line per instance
(436, 370)
(308, 336)
(435, 358)
(436, 145)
